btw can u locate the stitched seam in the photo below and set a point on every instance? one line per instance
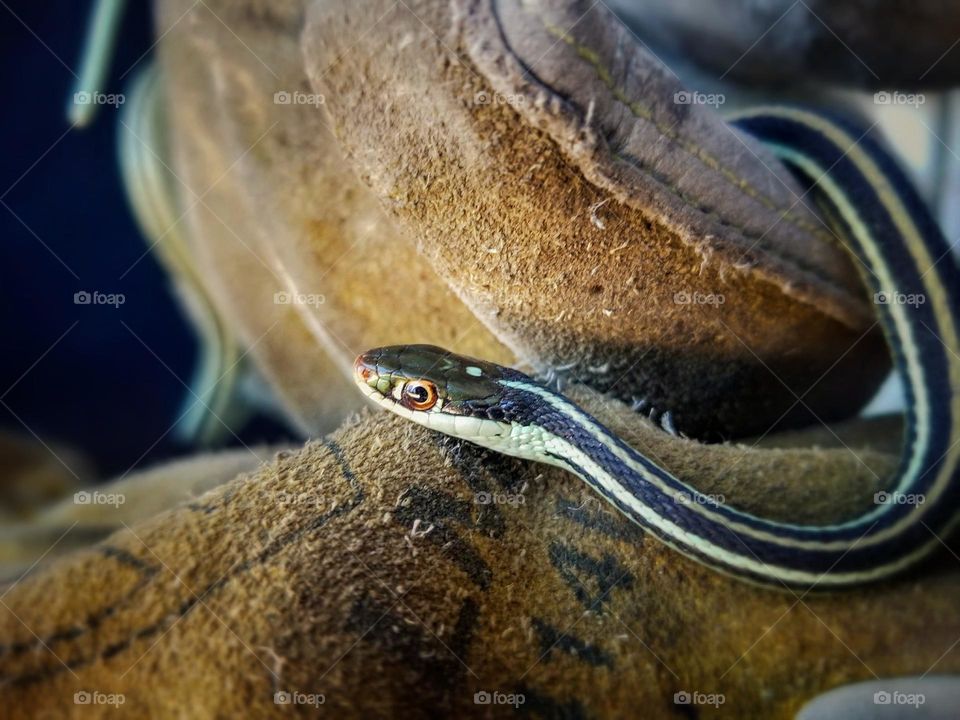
(641, 111)
(260, 558)
(690, 202)
(817, 272)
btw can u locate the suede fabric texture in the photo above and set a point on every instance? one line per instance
(429, 188)
(77, 516)
(363, 569)
(398, 197)
(538, 155)
(299, 257)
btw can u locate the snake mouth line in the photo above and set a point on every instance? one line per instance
(388, 403)
(368, 378)
(379, 398)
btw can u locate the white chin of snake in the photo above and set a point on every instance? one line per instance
(477, 430)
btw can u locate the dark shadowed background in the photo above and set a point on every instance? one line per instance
(70, 374)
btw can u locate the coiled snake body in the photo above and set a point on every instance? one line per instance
(902, 255)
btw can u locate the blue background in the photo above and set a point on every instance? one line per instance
(99, 389)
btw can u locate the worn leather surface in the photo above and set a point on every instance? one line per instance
(398, 207)
(78, 515)
(441, 193)
(552, 180)
(278, 213)
(366, 568)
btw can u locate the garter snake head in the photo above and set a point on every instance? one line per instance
(456, 395)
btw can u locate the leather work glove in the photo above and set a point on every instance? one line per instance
(523, 182)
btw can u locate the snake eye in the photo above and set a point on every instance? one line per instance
(420, 395)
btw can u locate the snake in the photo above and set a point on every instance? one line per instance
(904, 261)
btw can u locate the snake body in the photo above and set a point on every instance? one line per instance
(907, 266)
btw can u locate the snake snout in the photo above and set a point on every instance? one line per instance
(361, 367)
(371, 377)
(365, 370)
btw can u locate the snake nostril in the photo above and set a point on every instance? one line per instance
(362, 368)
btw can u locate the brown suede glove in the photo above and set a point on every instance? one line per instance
(512, 180)
(434, 190)
(395, 572)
